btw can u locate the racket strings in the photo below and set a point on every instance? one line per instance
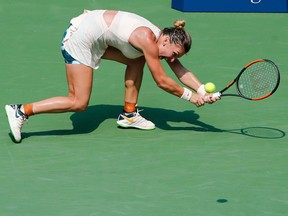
(258, 80)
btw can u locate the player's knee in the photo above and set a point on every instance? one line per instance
(129, 83)
(79, 107)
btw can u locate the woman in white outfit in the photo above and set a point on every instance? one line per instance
(128, 39)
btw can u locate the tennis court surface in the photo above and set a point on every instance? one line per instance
(229, 158)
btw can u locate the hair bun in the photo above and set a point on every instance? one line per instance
(179, 24)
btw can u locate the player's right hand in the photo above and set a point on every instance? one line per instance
(209, 98)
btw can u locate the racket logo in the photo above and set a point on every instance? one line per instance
(257, 82)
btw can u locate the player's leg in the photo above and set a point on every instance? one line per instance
(79, 78)
(133, 79)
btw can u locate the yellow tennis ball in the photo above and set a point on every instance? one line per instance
(210, 87)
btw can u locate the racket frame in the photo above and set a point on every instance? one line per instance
(220, 93)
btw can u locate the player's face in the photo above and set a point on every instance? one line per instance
(171, 51)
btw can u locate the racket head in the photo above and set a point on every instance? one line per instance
(258, 80)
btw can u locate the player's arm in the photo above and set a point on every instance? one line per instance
(190, 80)
(154, 64)
(146, 42)
(185, 76)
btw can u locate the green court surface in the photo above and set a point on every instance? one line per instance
(225, 159)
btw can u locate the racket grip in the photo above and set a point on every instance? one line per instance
(217, 94)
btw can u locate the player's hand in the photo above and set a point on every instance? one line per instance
(208, 98)
(197, 99)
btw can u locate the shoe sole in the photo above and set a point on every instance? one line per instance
(7, 115)
(137, 127)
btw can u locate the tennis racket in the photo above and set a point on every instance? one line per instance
(258, 80)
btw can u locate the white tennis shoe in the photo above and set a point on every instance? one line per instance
(134, 120)
(16, 118)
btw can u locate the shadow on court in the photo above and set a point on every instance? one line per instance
(91, 119)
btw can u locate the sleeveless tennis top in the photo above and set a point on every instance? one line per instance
(88, 37)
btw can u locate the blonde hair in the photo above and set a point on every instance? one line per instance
(179, 24)
(178, 35)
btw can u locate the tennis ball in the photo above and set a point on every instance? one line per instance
(210, 87)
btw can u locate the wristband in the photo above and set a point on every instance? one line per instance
(187, 94)
(201, 90)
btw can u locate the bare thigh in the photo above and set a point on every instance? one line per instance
(80, 79)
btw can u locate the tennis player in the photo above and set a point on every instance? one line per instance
(128, 39)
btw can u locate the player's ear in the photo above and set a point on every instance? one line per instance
(166, 40)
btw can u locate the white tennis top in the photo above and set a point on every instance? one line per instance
(88, 36)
